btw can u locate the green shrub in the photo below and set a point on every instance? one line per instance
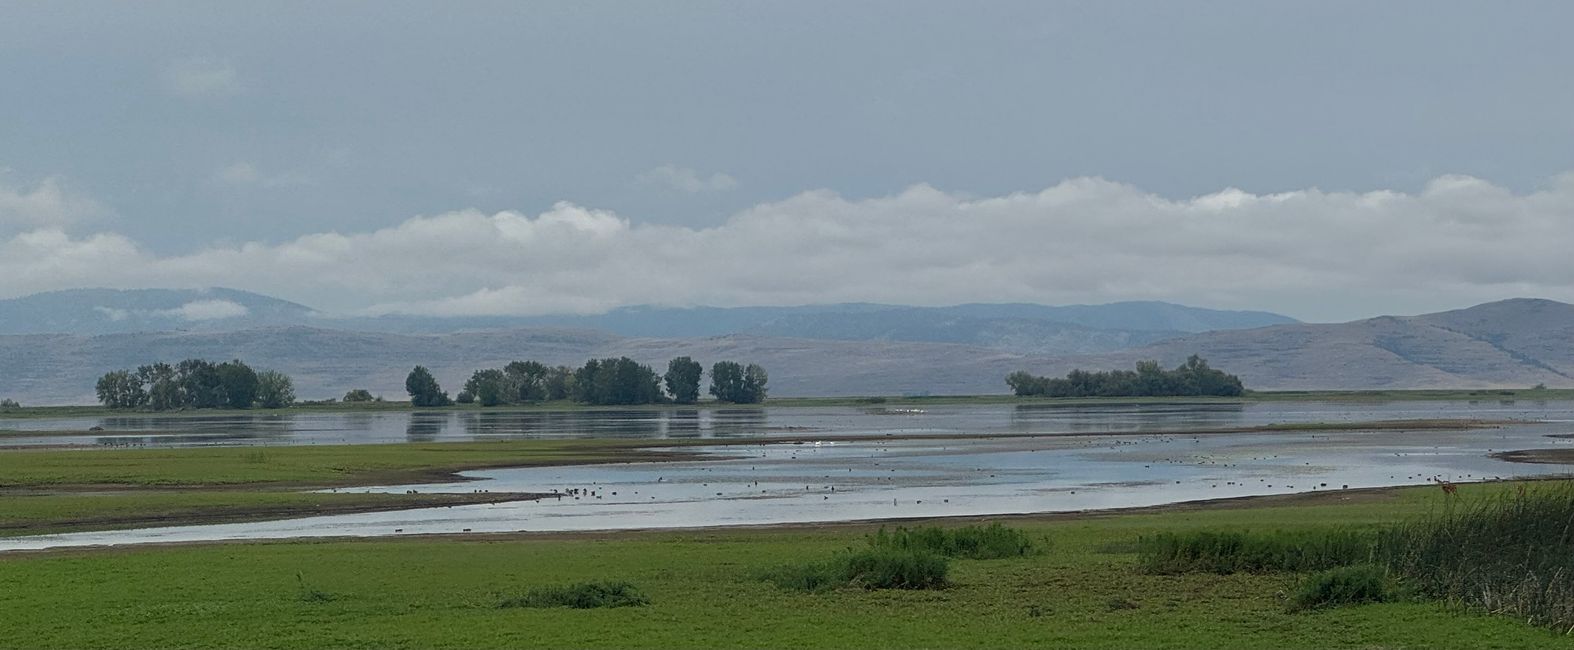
(1351, 585)
(890, 568)
(876, 568)
(972, 542)
(1244, 552)
(585, 595)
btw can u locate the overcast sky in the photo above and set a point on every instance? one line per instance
(1326, 160)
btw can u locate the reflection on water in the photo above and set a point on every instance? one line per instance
(939, 420)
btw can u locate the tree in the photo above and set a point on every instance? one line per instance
(163, 387)
(465, 397)
(528, 380)
(275, 390)
(1191, 378)
(200, 386)
(359, 395)
(738, 384)
(121, 390)
(683, 380)
(9, 404)
(754, 379)
(490, 387)
(423, 388)
(616, 381)
(559, 383)
(238, 383)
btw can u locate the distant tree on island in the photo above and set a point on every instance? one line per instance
(736, 383)
(683, 380)
(360, 395)
(619, 381)
(1192, 378)
(275, 390)
(9, 405)
(424, 390)
(195, 384)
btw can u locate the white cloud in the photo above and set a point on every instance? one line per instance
(1309, 253)
(46, 204)
(201, 77)
(200, 310)
(686, 180)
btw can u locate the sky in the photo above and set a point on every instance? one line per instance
(1326, 160)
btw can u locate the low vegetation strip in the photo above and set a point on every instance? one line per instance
(583, 595)
(1512, 553)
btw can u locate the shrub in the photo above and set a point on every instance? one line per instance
(1351, 585)
(9, 404)
(973, 542)
(889, 568)
(1243, 552)
(585, 595)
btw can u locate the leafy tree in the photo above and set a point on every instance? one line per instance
(738, 384)
(423, 388)
(616, 381)
(1192, 378)
(9, 404)
(200, 385)
(465, 397)
(559, 383)
(120, 389)
(683, 380)
(754, 379)
(490, 387)
(528, 380)
(239, 384)
(275, 390)
(163, 387)
(359, 395)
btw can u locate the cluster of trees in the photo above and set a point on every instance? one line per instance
(195, 383)
(9, 404)
(1193, 378)
(619, 381)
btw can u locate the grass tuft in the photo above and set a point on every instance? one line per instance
(1245, 552)
(584, 595)
(1351, 585)
(876, 568)
(972, 542)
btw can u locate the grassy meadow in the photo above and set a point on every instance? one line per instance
(1082, 585)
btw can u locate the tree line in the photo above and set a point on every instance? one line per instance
(195, 384)
(611, 381)
(1192, 378)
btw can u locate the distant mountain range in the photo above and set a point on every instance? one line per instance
(1025, 328)
(1512, 343)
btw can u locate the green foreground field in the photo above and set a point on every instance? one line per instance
(1084, 590)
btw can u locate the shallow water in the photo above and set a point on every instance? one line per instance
(941, 420)
(953, 470)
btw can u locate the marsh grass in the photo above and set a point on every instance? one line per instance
(584, 595)
(1249, 552)
(1510, 554)
(972, 542)
(875, 568)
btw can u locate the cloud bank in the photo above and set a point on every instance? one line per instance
(1309, 253)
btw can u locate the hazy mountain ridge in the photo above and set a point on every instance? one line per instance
(1513, 343)
(1024, 328)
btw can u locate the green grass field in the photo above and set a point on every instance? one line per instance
(1084, 590)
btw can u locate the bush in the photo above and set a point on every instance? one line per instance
(1351, 585)
(585, 595)
(895, 569)
(877, 568)
(972, 542)
(1243, 552)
